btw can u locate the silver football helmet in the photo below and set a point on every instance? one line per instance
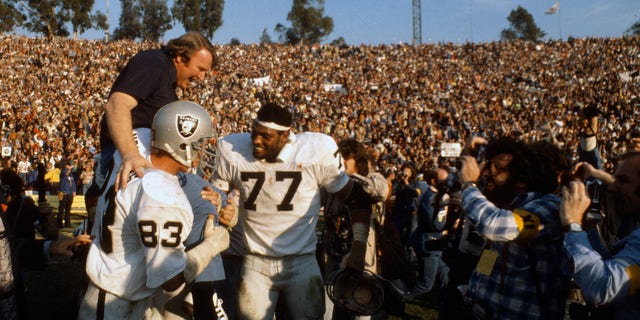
(182, 129)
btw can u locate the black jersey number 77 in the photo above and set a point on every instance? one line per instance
(285, 204)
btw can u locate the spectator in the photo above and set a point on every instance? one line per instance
(66, 193)
(23, 167)
(32, 177)
(41, 182)
(52, 177)
(86, 177)
(441, 98)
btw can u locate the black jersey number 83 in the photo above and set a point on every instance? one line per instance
(148, 229)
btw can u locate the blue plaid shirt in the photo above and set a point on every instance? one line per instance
(528, 234)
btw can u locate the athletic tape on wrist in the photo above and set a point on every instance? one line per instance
(360, 232)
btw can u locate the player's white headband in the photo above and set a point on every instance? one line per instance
(272, 125)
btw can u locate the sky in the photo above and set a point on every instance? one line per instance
(390, 21)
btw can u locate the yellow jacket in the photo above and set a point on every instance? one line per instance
(52, 176)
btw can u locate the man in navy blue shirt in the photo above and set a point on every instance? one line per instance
(66, 192)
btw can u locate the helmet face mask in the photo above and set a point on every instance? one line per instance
(180, 128)
(206, 158)
(358, 292)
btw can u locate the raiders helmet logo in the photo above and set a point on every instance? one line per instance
(187, 125)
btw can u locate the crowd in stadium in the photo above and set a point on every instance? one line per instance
(404, 100)
(401, 102)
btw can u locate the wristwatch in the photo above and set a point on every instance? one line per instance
(468, 184)
(573, 227)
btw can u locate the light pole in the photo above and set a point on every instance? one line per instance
(106, 31)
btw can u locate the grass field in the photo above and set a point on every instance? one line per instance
(53, 293)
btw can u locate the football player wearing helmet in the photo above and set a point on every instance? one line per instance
(279, 175)
(139, 247)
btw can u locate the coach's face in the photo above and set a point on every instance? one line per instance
(195, 68)
(267, 142)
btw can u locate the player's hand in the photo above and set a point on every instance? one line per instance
(130, 162)
(212, 196)
(229, 214)
(575, 202)
(216, 235)
(65, 247)
(216, 239)
(469, 170)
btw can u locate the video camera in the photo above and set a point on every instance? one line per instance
(480, 153)
(594, 213)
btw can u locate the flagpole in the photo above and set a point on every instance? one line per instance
(560, 20)
(470, 21)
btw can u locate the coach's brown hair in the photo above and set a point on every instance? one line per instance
(187, 44)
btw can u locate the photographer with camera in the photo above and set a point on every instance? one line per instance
(519, 275)
(20, 251)
(404, 205)
(430, 238)
(604, 279)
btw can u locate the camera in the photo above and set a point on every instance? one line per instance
(480, 154)
(594, 213)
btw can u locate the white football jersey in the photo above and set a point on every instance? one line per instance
(139, 239)
(280, 202)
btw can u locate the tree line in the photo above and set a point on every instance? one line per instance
(149, 20)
